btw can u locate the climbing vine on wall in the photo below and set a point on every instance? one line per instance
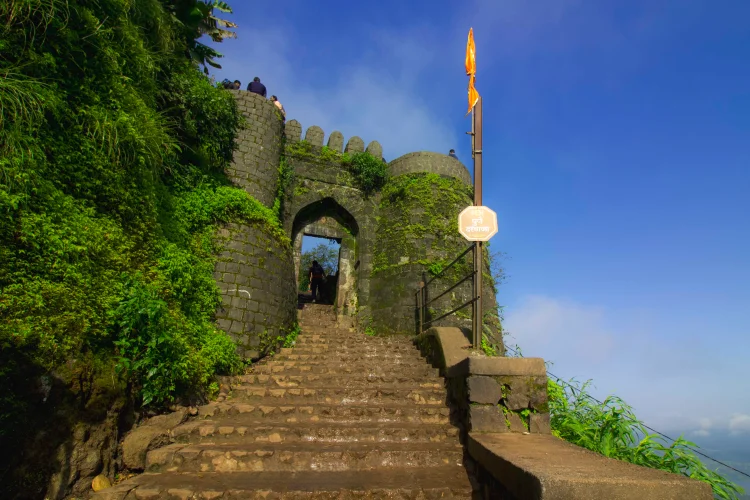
(417, 208)
(368, 172)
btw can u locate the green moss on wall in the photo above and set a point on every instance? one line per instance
(361, 170)
(416, 209)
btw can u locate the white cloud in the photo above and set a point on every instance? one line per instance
(739, 423)
(557, 330)
(672, 382)
(375, 98)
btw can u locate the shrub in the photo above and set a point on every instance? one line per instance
(612, 429)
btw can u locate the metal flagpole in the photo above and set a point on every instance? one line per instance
(476, 127)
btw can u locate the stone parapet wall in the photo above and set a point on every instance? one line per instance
(425, 161)
(315, 137)
(255, 273)
(255, 166)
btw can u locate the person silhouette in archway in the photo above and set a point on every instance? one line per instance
(317, 273)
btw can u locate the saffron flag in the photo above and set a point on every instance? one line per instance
(471, 70)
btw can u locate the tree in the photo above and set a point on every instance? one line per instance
(327, 255)
(197, 19)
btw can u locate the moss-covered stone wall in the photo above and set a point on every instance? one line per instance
(256, 276)
(255, 166)
(391, 236)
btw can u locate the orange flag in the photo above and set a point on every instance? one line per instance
(471, 69)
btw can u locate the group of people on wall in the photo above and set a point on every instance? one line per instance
(256, 87)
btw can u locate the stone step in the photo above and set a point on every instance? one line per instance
(445, 482)
(362, 379)
(257, 457)
(340, 395)
(349, 349)
(275, 411)
(354, 357)
(297, 368)
(321, 341)
(255, 430)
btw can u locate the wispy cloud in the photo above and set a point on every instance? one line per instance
(739, 423)
(665, 380)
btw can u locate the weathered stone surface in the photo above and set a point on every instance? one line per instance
(375, 149)
(545, 467)
(484, 390)
(516, 424)
(355, 145)
(136, 445)
(152, 434)
(314, 136)
(539, 423)
(255, 166)
(257, 283)
(336, 141)
(293, 131)
(517, 400)
(486, 419)
(425, 161)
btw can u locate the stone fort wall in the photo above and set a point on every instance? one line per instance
(258, 276)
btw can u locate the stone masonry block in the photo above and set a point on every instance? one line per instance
(483, 390)
(516, 424)
(375, 149)
(336, 141)
(314, 135)
(539, 423)
(355, 145)
(486, 418)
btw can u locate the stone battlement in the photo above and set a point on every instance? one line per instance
(315, 135)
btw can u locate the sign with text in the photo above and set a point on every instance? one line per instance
(477, 223)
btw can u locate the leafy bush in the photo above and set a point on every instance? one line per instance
(369, 172)
(112, 154)
(612, 429)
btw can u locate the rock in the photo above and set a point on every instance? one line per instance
(100, 482)
(170, 420)
(517, 401)
(484, 390)
(139, 442)
(539, 423)
(516, 424)
(152, 434)
(486, 419)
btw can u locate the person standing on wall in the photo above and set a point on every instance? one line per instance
(276, 103)
(256, 87)
(316, 278)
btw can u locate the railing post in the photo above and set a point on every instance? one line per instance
(477, 309)
(424, 297)
(420, 302)
(473, 292)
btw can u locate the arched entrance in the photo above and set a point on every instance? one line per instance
(326, 218)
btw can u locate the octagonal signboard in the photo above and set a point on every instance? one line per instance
(477, 223)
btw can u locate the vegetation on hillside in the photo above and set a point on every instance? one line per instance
(612, 429)
(112, 151)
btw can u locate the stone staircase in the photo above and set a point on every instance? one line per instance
(340, 415)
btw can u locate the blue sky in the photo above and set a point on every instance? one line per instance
(617, 146)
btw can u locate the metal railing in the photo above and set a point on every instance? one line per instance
(423, 300)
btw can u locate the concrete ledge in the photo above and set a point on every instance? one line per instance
(453, 355)
(476, 365)
(543, 467)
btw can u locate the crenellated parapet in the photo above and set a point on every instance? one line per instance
(315, 136)
(425, 161)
